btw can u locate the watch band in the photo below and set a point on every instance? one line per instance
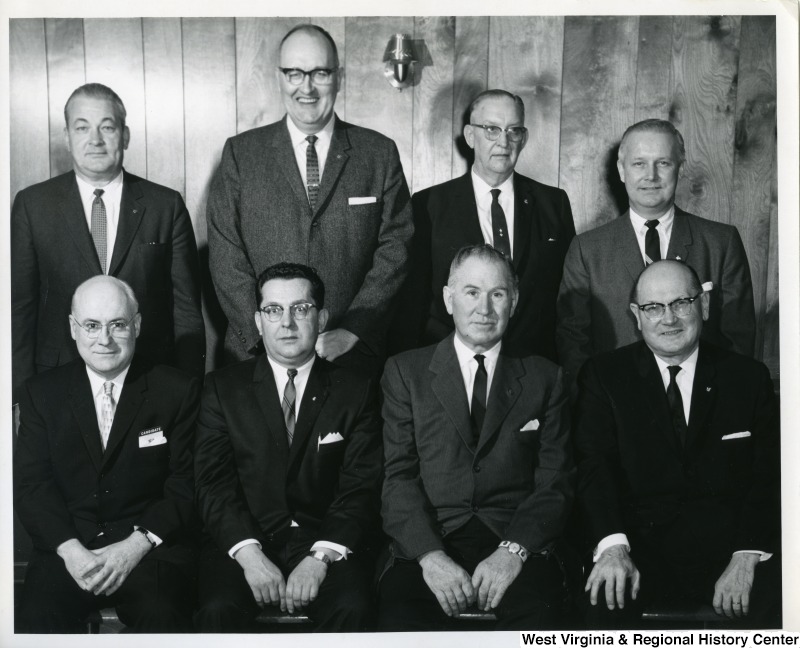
(321, 556)
(146, 534)
(514, 548)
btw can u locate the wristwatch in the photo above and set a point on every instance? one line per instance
(147, 536)
(321, 556)
(514, 548)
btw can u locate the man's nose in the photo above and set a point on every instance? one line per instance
(95, 136)
(104, 337)
(485, 304)
(307, 85)
(669, 317)
(287, 319)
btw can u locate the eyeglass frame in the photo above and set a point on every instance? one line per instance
(508, 130)
(308, 73)
(292, 311)
(690, 301)
(127, 331)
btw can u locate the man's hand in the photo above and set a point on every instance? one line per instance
(263, 577)
(732, 590)
(304, 581)
(614, 568)
(334, 343)
(79, 561)
(118, 560)
(493, 576)
(449, 582)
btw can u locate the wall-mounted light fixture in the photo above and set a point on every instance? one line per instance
(399, 61)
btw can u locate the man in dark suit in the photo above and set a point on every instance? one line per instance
(477, 489)
(103, 477)
(100, 219)
(288, 464)
(678, 465)
(528, 221)
(312, 187)
(602, 265)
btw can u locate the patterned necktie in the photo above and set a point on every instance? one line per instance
(652, 242)
(478, 406)
(99, 228)
(107, 407)
(499, 226)
(289, 396)
(676, 405)
(312, 171)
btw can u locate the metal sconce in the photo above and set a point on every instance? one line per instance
(399, 61)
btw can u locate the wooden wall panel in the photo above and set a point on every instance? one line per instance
(653, 68)
(526, 58)
(115, 58)
(433, 103)
(29, 133)
(163, 98)
(598, 105)
(704, 65)
(66, 70)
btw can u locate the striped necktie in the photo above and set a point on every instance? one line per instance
(289, 396)
(99, 230)
(107, 407)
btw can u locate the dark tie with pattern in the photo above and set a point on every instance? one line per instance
(99, 228)
(676, 405)
(499, 226)
(478, 406)
(289, 396)
(312, 172)
(652, 243)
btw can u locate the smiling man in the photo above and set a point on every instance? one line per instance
(602, 265)
(312, 188)
(678, 468)
(478, 470)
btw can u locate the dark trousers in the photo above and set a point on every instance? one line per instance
(343, 603)
(535, 600)
(157, 596)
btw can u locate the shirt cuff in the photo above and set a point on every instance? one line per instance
(763, 555)
(610, 541)
(341, 549)
(239, 545)
(152, 537)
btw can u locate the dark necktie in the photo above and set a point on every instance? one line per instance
(499, 226)
(652, 243)
(676, 405)
(312, 172)
(289, 396)
(478, 407)
(99, 228)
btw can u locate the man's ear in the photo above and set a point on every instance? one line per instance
(621, 170)
(469, 135)
(137, 324)
(447, 294)
(126, 138)
(322, 320)
(705, 305)
(73, 327)
(258, 321)
(637, 314)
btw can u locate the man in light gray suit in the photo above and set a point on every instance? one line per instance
(602, 265)
(311, 189)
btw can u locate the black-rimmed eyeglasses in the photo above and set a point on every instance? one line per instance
(318, 76)
(274, 312)
(680, 307)
(514, 133)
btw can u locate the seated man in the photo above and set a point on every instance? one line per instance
(678, 466)
(288, 461)
(479, 476)
(103, 477)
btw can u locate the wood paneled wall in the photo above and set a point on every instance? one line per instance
(190, 83)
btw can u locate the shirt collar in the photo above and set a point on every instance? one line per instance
(466, 355)
(96, 381)
(482, 187)
(299, 137)
(664, 221)
(687, 365)
(279, 370)
(85, 187)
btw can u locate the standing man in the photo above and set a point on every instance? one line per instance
(529, 222)
(100, 219)
(312, 188)
(103, 477)
(678, 466)
(602, 265)
(288, 461)
(478, 470)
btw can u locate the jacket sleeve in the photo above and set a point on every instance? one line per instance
(573, 313)
(738, 318)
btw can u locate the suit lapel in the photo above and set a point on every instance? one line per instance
(314, 398)
(465, 211)
(505, 391)
(133, 395)
(334, 163)
(266, 393)
(654, 396)
(73, 216)
(448, 387)
(526, 225)
(704, 395)
(628, 246)
(81, 401)
(131, 211)
(283, 158)
(680, 241)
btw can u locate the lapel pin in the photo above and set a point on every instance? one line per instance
(708, 389)
(525, 201)
(677, 257)
(313, 398)
(135, 211)
(509, 391)
(338, 157)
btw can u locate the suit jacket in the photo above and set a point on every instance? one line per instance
(52, 253)
(67, 487)
(258, 215)
(718, 494)
(445, 220)
(600, 273)
(252, 484)
(517, 482)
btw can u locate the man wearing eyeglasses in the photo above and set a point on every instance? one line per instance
(103, 477)
(312, 188)
(677, 446)
(288, 463)
(529, 222)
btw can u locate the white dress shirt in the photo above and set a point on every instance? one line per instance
(664, 230)
(112, 200)
(483, 200)
(300, 146)
(469, 366)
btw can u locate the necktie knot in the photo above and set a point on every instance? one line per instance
(291, 373)
(651, 224)
(311, 139)
(108, 388)
(99, 192)
(495, 194)
(673, 372)
(479, 358)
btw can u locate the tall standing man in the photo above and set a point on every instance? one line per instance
(602, 265)
(100, 219)
(312, 188)
(529, 222)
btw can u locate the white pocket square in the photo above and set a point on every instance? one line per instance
(530, 425)
(149, 442)
(362, 200)
(331, 437)
(736, 435)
